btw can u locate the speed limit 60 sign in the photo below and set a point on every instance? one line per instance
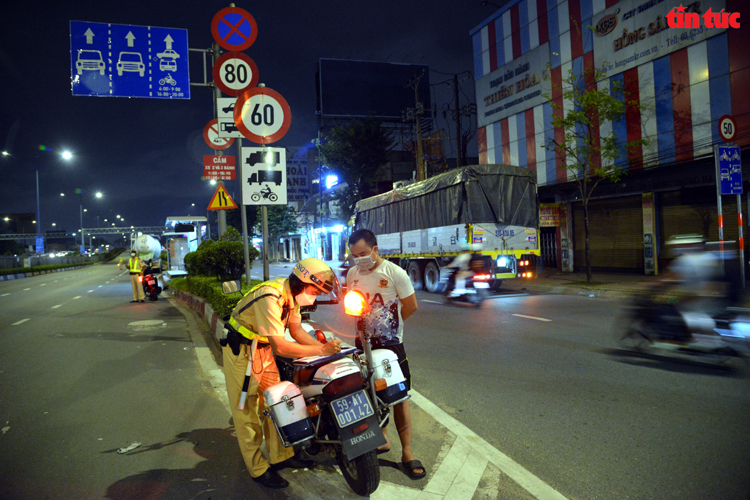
(235, 72)
(262, 115)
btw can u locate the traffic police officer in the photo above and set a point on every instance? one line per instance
(263, 314)
(136, 265)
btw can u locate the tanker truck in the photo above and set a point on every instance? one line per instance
(148, 247)
(424, 225)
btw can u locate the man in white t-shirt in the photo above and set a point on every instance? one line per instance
(390, 294)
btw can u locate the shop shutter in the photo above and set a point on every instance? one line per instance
(615, 234)
(693, 211)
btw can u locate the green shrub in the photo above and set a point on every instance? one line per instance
(210, 289)
(38, 269)
(223, 259)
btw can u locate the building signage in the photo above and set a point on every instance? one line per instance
(634, 32)
(549, 214)
(297, 175)
(513, 88)
(219, 168)
(122, 60)
(649, 253)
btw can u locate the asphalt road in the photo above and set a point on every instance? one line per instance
(84, 372)
(538, 378)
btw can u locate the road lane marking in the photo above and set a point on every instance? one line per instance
(74, 298)
(528, 481)
(43, 284)
(89, 291)
(532, 317)
(3, 295)
(26, 289)
(19, 322)
(100, 286)
(432, 301)
(55, 307)
(55, 281)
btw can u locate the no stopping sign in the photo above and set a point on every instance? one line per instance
(262, 115)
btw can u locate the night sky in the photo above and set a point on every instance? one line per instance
(145, 155)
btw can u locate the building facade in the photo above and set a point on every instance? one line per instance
(677, 83)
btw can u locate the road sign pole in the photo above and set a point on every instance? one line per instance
(222, 218)
(243, 217)
(718, 205)
(742, 240)
(264, 226)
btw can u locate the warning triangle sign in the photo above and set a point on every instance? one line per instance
(221, 200)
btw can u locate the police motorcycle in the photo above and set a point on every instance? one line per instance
(148, 279)
(337, 404)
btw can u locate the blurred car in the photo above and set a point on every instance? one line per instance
(89, 60)
(130, 62)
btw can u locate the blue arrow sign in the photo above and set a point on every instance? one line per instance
(121, 60)
(730, 170)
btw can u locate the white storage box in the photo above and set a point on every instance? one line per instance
(285, 402)
(386, 366)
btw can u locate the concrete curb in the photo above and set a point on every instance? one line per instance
(11, 277)
(202, 306)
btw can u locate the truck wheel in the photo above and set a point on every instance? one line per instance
(432, 277)
(415, 274)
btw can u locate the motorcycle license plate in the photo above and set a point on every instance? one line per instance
(351, 408)
(480, 284)
(151, 282)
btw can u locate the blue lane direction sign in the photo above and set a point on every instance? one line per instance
(730, 170)
(40, 244)
(122, 60)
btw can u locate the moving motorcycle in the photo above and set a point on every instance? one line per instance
(476, 289)
(338, 403)
(149, 281)
(652, 327)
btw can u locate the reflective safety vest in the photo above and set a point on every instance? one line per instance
(134, 267)
(246, 332)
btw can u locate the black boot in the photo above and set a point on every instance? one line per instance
(271, 479)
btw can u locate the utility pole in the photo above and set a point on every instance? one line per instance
(458, 123)
(419, 109)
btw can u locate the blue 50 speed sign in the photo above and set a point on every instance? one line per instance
(262, 115)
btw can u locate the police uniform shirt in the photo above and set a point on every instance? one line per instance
(264, 316)
(384, 287)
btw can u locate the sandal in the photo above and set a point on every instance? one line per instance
(411, 466)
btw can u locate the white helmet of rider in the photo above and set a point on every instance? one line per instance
(317, 273)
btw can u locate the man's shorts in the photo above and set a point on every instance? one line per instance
(400, 352)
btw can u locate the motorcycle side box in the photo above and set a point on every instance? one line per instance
(386, 366)
(284, 401)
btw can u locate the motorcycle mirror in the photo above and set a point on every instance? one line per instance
(231, 286)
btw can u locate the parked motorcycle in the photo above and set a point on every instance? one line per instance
(149, 281)
(337, 404)
(476, 289)
(651, 327)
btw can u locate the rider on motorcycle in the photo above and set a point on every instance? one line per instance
(462, 267)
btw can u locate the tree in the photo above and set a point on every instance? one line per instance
(281, 219)
(577, 143)
(357, 152)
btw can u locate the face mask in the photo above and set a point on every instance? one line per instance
(305, 299)
(132, 255)
(364, 263)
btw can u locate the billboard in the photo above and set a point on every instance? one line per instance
(513, 88)
(362, 88)
(297, 174)
(632, 32)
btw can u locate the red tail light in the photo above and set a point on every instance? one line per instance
(343, 384)
(482, 277)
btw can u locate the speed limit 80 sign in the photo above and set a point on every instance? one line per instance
(262, 115)
(235, 72)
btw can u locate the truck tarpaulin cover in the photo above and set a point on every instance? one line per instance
(500, 194)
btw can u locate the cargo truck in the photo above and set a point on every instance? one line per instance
(424, 225)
